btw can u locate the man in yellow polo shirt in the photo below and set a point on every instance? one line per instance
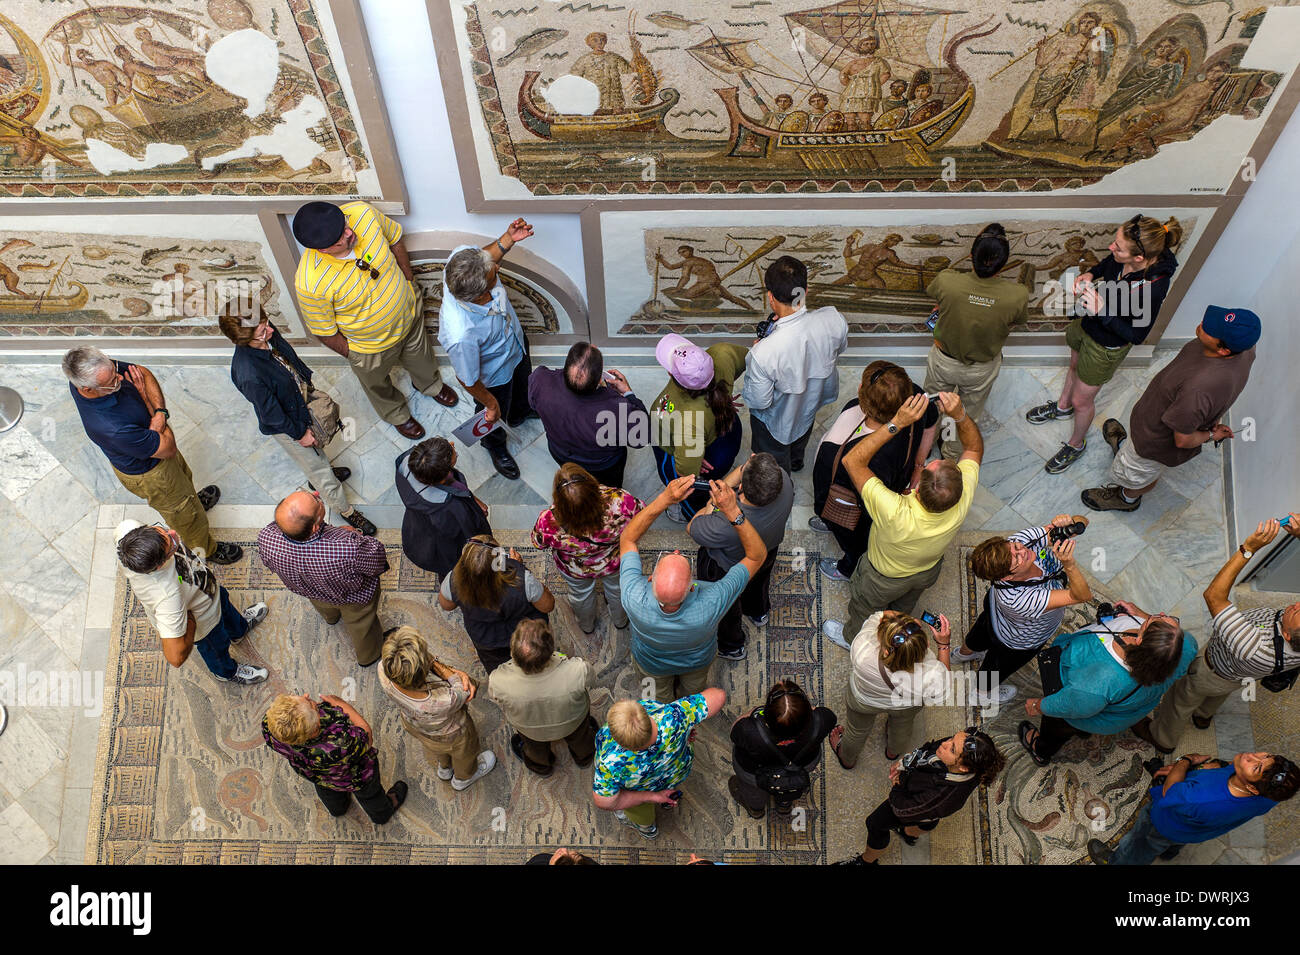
(357, 295)
(909, 532)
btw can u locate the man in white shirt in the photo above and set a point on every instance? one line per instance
(184, 602)
(791, 372)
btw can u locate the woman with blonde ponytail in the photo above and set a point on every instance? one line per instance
(1118, 302)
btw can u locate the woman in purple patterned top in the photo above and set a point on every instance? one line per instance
(581, 530)
(329, 744)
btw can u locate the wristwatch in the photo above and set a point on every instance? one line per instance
(1248, 554)
(740, 519)
(167, 415)
(891, 427)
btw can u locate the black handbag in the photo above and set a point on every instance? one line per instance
(1278, 681)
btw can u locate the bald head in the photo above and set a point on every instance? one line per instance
(298, 515)
(671, 580)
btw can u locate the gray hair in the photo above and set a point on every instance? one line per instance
(83, 364)
(466, 273)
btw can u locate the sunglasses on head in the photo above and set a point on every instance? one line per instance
(1131, 231)
(970, 746)
(912, 629)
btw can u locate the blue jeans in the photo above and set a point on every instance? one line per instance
(215, 647)
(721, 454)
(1143, 844)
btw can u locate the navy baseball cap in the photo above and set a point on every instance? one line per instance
(1238, 328)
(318, 225)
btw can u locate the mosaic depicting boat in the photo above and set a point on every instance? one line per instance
(834, 142)
(43, 305)
(638, 122)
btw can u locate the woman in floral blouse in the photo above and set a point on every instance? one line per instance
(329, 744)
(581, 530)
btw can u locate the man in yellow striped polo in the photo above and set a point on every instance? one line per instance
(357, 295)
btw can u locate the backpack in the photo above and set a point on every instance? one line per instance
(785, 782)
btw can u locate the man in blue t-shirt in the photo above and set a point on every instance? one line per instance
(122, 409)
(674, 619)
(1198, 799)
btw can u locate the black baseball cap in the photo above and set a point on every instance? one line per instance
(318, 225)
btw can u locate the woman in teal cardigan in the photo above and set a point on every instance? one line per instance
(1107, 680)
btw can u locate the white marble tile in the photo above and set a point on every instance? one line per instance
(46, 583)
(67, 627)
(1194, 477)
(77, 543)
(23, 540)
(1151, 581)
(22, 840)
(89, 466)
(1047, 495)
(56, 503)
(237, 486)
(276, 472)
(23, 462)
(1107, 546)
(27, 753)
(371, 459)
(199, 391)
(1194, 544)
(1008, 466)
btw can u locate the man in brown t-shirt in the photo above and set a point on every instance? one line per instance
(1181, 408)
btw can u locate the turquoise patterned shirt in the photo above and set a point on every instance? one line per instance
(665, 764)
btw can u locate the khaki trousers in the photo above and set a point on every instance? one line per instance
(361, 621)
(870, 590)
(169, 490)
(859, 718)
(972, 383)
(460, 752)
(1201, 692)
(414, 353)
(674, 686)
(315, 464)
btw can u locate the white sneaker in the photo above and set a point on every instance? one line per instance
(958, 657)
(487, 761)
(1004, 694)
(445, 774)
(833, 631)
(649, 831)
(255, 614)
(674, 513)
(245, 675)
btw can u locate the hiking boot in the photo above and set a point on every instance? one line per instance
(1062, 459)
(1108, 497)
(1114, 433)
(649, 831)
(487, 761)
(226, 553)
(245, 675)
(1048, 412)
(209, 496)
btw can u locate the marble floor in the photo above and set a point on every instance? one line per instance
(59, 502)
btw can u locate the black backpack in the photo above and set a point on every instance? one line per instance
(785, 782)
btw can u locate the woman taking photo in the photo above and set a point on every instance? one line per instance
(1120, 299)
(494, 591)
(581, 530)
(930, 783)
(894, 672)
(1106, 679)
(884, 388)
(694, 423)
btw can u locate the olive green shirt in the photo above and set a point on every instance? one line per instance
(543, 706)
(975, 314)
(678, 418)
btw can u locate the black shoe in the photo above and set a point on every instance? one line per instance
(1099, 852)
(517, 747)
(506, 465)
(518, 421)
(397, 795)
(1170, 853)
(1153, 764)
(209, 496)
(341, 473)
(733, 787)
(856, 860)
(226, 553)
(358, 520)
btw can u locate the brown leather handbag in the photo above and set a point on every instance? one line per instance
(843, 507)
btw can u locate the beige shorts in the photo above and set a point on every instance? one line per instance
(1132, 471)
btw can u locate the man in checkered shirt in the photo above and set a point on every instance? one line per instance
(1241, 650)
(336, 568)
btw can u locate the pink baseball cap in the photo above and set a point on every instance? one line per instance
(690, 365)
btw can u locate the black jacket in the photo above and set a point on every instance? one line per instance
(439, 519)
(928, 792)
(1124, 328)
(272, 391)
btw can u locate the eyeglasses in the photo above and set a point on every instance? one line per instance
(910, 630)
(366, 266)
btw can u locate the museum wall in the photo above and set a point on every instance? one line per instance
(405, 58)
